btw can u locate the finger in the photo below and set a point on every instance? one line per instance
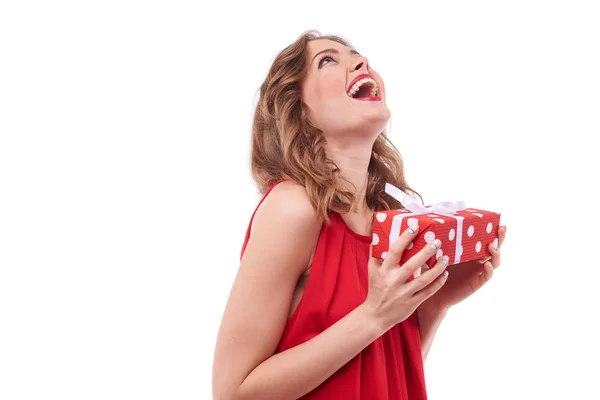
(485, 276)
(476, 281)
(374, 262)
(426, 267)
(428, 276)
(432, 288)
(496, 256)
(501, 235)
(392, 259)
(421, 270)
(415, 262)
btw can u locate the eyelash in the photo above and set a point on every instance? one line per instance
(324, 57)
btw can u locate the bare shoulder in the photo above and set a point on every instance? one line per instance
(286, 227)
(288, 203)
(283, 235)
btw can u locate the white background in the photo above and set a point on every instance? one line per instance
(125, 191)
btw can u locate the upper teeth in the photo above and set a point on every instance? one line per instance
(358, 84)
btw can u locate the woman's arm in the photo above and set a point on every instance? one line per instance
(284, 230)
(429, 319)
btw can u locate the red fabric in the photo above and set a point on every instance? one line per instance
(391, 367)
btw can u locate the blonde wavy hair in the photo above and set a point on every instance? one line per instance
(285, 144)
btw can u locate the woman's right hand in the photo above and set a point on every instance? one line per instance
(392, 296)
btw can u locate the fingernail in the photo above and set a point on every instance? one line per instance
(445, 274)
(436, 244)
(496, 248)
(445, 260)
(413, 229)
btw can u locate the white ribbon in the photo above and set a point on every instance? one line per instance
(446, 208)
(411, 204)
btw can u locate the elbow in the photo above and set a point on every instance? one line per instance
(220, 394)
(233, 392)
(224, 386)
(226, 395)
(225, 390)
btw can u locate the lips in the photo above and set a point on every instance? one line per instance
(358, 78)
(370, 98)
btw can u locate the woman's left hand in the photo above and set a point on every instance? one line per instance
(466, 278)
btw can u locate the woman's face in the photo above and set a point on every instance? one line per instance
(331, 69)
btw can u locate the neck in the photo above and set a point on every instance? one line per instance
(353, 163)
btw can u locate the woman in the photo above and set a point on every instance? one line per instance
(311, 314)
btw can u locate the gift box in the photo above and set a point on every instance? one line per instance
(465, 233)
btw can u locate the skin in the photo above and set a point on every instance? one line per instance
(463, 280)
(349, 138)
(467, 278)
(245, 363)
(350, 141)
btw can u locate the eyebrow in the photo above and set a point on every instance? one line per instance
(334, 51)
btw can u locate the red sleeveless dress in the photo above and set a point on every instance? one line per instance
(391, 367)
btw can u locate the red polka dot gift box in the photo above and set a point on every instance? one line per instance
(465, 233)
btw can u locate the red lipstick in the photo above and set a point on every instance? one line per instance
(358, 78)
(370, 98)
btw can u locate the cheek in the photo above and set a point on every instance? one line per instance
(330, 86)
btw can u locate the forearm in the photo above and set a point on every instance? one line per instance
(296, 371)
(430, 319)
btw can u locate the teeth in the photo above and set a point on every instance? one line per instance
(358, 84)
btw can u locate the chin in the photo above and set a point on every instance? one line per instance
(361, 124)
(378, 118)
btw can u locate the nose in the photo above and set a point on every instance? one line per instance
(359, 63)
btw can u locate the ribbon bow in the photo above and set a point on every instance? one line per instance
(410, 203)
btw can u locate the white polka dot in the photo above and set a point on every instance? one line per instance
(440, 220)
(384, 255)
(470, 210)
(496, 242)
(478, 214)
(381, 217)
(429, 236)
(471, 230)
(478, 247)
(488, 228)
(375, 239)
(410, 246)
(451, 235)
(438, 254)
(413, 221)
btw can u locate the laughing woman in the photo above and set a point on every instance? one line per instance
(311, 314)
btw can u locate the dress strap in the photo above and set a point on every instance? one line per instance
(254, 213)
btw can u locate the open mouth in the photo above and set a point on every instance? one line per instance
(365, 88)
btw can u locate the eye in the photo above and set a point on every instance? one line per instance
(323, 59)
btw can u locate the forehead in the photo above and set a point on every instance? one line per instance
(317, 45)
